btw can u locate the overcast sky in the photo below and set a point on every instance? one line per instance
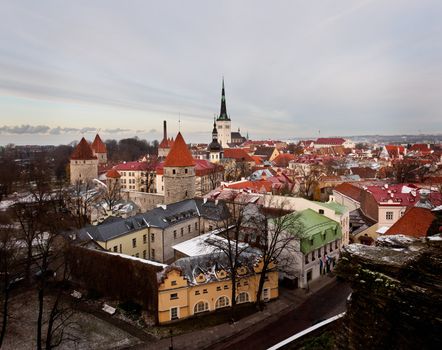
(291, 68)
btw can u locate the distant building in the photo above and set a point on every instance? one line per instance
(100, 150)
(165, 144)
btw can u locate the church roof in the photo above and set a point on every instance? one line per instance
(223, 113)
(98, 145)
(179, 154)
(83, 151)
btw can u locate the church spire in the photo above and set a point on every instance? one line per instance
(223, 113)
(214, 132)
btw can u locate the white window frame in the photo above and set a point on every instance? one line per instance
(266, 294)
(197, 310)
(239, 299)
(177, 313)
(225, 303)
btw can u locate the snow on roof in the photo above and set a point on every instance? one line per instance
(195, 246)
(382, 229)
(125, 256)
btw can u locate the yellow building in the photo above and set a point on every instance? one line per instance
(199, 284)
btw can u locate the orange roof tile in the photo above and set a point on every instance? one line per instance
(83, 151)
(237, 154)
(98, 145)
(113, 173)
(414, 223)
(179, 154)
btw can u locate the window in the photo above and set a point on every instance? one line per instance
(182, 231)
(152, 254)
(222, 302)
(188, 228)
(309, 275)
(174, 296)
(313, 255)
(204, 291)
(173, 283)
(201, 307)
(174, 171)
(121, 249)
(185, 171)
(174, 313)
(134, 242)
(389, 215)
(144, 254)
(321, 211)
(266, 294)
(218, 288)
(226, 287)
(137, 255)
(144, 239)
(152, 237)
(174, 234)
(242, 297)
(196, 226)
(197, 292)
(115, 248)
(306, 258)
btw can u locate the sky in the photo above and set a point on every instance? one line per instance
(292, 69)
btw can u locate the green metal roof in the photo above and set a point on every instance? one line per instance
(338, 208)
(317, 230)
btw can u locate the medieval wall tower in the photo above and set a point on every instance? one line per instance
(99, 149)
(179, 173)
(83, 163)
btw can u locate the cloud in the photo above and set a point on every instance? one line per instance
(44, 130)
(116, 131)
(24, 129)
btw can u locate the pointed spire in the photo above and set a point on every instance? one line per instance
(83, 151)
(179, 154)
(98, 145)
(214, 131)
(223, 113)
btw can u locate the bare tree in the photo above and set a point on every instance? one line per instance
(309, 179)
(215, 176)
(228, 243)
(8, 268)
(277, 231)
(79, 200)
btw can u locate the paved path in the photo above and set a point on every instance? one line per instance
(325, 303)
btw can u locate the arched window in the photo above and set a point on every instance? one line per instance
(242, 297)
(201, 307)
(222, 302)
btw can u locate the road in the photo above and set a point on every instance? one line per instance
(326, 303)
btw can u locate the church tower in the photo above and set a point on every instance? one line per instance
(179, 173)
(215, 150)
(223, 122)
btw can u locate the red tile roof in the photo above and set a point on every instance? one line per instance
(113, 173)
(98, 145)
(83, 151)
(349, 190)
(237, 154)
(179, 154)
(257, 160)
(134, 166)
(335, 141)
(283, 159)
(394, 150)
(400, 195)
(414, 223)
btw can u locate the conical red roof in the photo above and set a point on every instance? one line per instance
(98, 145)
(179, 154)
(113, 173)
(83, 151)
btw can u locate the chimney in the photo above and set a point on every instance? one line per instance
(165, 130)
